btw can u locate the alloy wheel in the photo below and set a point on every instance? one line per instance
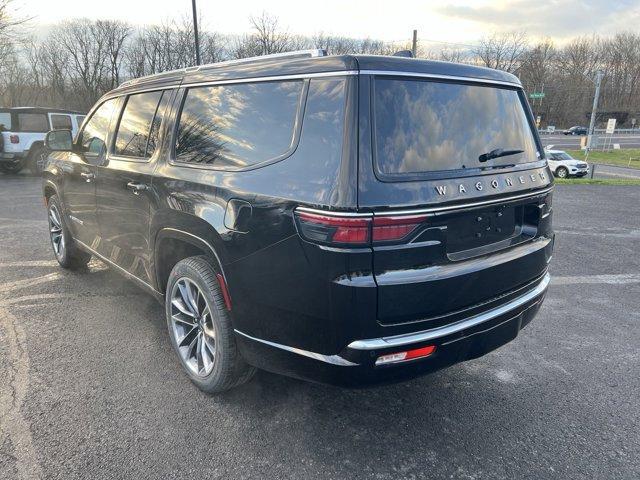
(41, 160)
(562, 173)
(55, 231)
(192, 327)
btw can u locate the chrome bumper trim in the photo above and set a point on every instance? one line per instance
(333, 359)
(435, 333)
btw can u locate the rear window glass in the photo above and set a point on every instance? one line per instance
(427, 126)
(33, 122)
(135, 124)
(5, 121)
(60, 121)
(235, 126)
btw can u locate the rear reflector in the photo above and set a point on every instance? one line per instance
(225, 290)
(404, 356)
(14, 138)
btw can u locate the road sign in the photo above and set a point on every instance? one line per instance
(611, 126)
(536, 95)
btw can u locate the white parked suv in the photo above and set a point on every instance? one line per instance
(22, 132)
(564, 165)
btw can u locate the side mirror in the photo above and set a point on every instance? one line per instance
(59, 141)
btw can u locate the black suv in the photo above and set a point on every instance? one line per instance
(343, 219)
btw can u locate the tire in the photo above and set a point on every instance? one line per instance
(204, 343)
(9, 168)
(562, 172)
(66, 251)
(38, 159)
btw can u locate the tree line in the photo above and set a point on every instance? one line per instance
(81, 59)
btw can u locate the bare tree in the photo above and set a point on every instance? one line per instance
(502, 51)
(115, 34)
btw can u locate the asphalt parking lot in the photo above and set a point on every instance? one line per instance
(90, 388)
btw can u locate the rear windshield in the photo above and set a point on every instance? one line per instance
(430, 126)
(5, 121)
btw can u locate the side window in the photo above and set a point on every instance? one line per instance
(59, 121)
(235, 126)
(135, 125)
(33, 122)
(80, 119)
(5, 121)
(92, 140)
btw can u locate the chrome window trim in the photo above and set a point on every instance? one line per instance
(439, 332)
(271, 78)
(437, 76)
(130, 90)
(332, 359)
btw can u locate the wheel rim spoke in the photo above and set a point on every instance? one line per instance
(56, 232)
(192, 327)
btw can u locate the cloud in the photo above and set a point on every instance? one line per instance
(553, 18)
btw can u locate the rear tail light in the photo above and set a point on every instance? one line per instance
(14, 138)
(395, 228)
(398, 357)
(363, 229)
(334, 229)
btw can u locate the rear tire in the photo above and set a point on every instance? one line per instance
(38, 160)
(562, 172)
(65, 249)
(10, 168)
(200, 327)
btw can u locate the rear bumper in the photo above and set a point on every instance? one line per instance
(355, 365)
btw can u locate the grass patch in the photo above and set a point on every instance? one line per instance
(613, 157)
(597, 181)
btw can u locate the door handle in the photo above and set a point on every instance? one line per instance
(87, 176)
(136, 187)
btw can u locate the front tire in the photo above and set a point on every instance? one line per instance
(200, 327)
(67, 252)
(562, 172)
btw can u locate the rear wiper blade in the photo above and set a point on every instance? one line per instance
(498, 152)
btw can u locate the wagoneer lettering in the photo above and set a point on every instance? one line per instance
(341, 219)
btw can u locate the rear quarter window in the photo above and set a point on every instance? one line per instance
(425, 126)
(237, 126)
(33, 122)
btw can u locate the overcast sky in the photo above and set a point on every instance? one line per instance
(444, 20)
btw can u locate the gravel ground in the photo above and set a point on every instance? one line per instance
(90, 388)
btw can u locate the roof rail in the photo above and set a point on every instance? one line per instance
(298, 53)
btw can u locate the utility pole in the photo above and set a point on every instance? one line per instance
(414, 44)
(592, 123)
(195, 31)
